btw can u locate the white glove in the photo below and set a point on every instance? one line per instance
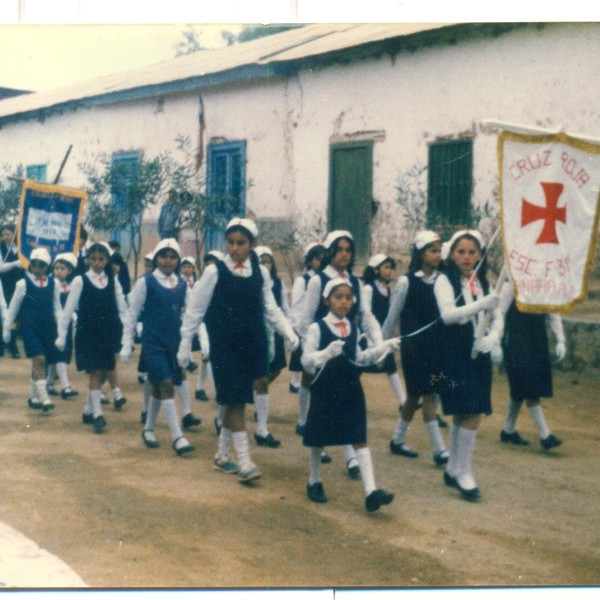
(334, 349)
(293, 343)
(393, 344)
(497, 354)
(60, 343)
(486, 344)
(561, 351)
(184, 355)
(490, 301)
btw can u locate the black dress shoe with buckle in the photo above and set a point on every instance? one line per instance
(316, 493)
(550, 441)
(472, 495)
(190, 421)
(513, 438)
(268, 441)
(402, 450)
(449, 480)
(376, 499)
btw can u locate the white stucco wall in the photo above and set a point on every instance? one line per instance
(544, 77)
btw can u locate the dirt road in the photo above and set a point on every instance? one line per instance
(122, 515)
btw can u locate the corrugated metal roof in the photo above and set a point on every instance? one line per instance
(292, 45)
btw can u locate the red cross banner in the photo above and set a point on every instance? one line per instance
(549, 201)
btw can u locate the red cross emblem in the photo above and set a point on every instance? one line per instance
(549, 213)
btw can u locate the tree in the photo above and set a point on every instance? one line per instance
(10, 193)
(134, 193)
(189, 44)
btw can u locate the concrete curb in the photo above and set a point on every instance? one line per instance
(23, 564)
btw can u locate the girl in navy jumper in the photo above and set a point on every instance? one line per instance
(35, 305)
(337, 413)
(527, 361)
(414, 307)
(234, 299)
(98, 298)
(63, 271)
(160, 298)
(277, 359)
(463, 295)
(313, 256)
(338, 262)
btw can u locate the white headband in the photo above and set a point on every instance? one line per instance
(332, 283)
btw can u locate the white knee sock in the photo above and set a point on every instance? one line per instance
(452, 465)
(41, 391)
(220, 413)
(95, 401)
(32, 390)
(89, 408)
(401, 429)
(184, 398)
(512, 412)
(153, 410)
(261, 402)
(117, 393)
(202, 373)
(147, 392)
(398, 388)
(350, 455)
(224, 442)
(303, 403)
(363, 455)
(296, 378)
(433, 429)
(537, 414)
(315, 465)
(51, 372)
(169, 409)
(466, 442)
(242, 449)
(61, 371)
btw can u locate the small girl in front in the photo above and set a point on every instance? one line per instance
(35, 305)
(463, 295)
(160, 298)
(98, 298)
(337, 413)
(234, 299)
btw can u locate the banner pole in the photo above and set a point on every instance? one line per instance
(529, 129)
(62, 164)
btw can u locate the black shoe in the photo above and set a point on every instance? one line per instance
(316, 493)
(143, 417)
(52, 391)
(190, 421)
(472, 495)
(354, 471)
(182, 449)
(513, 438)
(67, 393)
(87, 418)
(99, 424)
(402, 449)
(104, 400)
(449, 480)
(325, 458)
(294, 389)
(217, 426)
(33, 404)
(269, 441)
(201, 395)
(378, 498)
(441, 458)
(441, 423)
(119, 402)
(192, 366)
(150, 443)
(550, 442)
(300, 429)
(46, 406)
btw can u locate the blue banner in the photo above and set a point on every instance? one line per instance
(50, 217)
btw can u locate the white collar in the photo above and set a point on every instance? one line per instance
(331, 272)
(231, 264)
(160, 275)
(331, 319)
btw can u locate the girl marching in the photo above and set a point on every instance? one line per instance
(337, 413)
(463, 295)
(234, 299)
(415, 308)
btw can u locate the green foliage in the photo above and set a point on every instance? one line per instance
(189, 44)
(10, 193)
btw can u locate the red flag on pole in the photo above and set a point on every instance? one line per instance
(201, 129)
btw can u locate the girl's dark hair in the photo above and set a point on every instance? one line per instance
(98, 247)
(10, 226)
(71, 275)
(116, 258)
(162, 251)
(273, 271)
(312, 253)
(332, 250)
(241, 230)
(371, 274)
(450, 265)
